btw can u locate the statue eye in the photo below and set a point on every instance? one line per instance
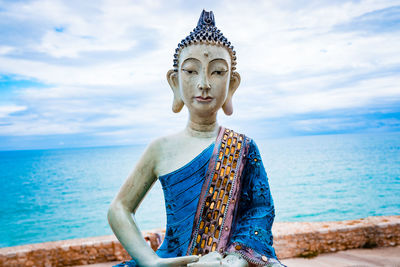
(219, 72)
(190, 71)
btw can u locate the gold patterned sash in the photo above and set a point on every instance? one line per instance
(220, 194)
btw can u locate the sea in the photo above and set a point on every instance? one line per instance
(58, 194)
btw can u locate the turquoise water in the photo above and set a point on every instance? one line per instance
(59, 194)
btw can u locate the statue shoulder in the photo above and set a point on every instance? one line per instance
(163, 150)
(164, 143)
(155, 148)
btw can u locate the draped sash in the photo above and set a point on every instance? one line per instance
(219, 195)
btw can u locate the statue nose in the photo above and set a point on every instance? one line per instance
(204, 84)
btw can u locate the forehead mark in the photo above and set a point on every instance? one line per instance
(205, 53)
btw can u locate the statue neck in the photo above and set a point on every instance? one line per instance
(202, 130)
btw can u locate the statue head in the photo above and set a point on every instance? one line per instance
(204, 77)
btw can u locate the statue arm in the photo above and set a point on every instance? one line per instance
(126, 203)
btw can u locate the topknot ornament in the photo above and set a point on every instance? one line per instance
(206, 18)
(205, 33)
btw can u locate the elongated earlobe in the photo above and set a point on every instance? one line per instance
(177, 104)
(233, 85)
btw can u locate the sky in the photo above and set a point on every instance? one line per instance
(93, 73)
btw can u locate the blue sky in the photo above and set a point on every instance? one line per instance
(88, 73)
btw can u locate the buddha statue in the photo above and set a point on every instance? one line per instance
(218, 203)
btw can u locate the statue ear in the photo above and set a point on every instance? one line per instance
(233, 85)
(177, 104)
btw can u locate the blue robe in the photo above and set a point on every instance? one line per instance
(251, 235)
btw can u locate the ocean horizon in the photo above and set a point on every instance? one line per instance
(58, 194)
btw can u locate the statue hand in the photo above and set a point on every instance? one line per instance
(234, 260)
(209, 260)
(172, 262)
(214, 259)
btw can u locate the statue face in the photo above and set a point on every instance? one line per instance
(204, 74)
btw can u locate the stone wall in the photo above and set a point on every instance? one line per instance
(307, 239)
(291, 239)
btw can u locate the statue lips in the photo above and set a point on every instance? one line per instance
(204, 99)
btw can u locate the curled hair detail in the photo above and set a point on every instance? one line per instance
(205, 33)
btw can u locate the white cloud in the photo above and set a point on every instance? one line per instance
(66, 45)
(7, 110)
(4, 49)
(104, 63)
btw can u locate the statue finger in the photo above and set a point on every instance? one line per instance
(234, 260)
(213, 256)
(205, 264)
